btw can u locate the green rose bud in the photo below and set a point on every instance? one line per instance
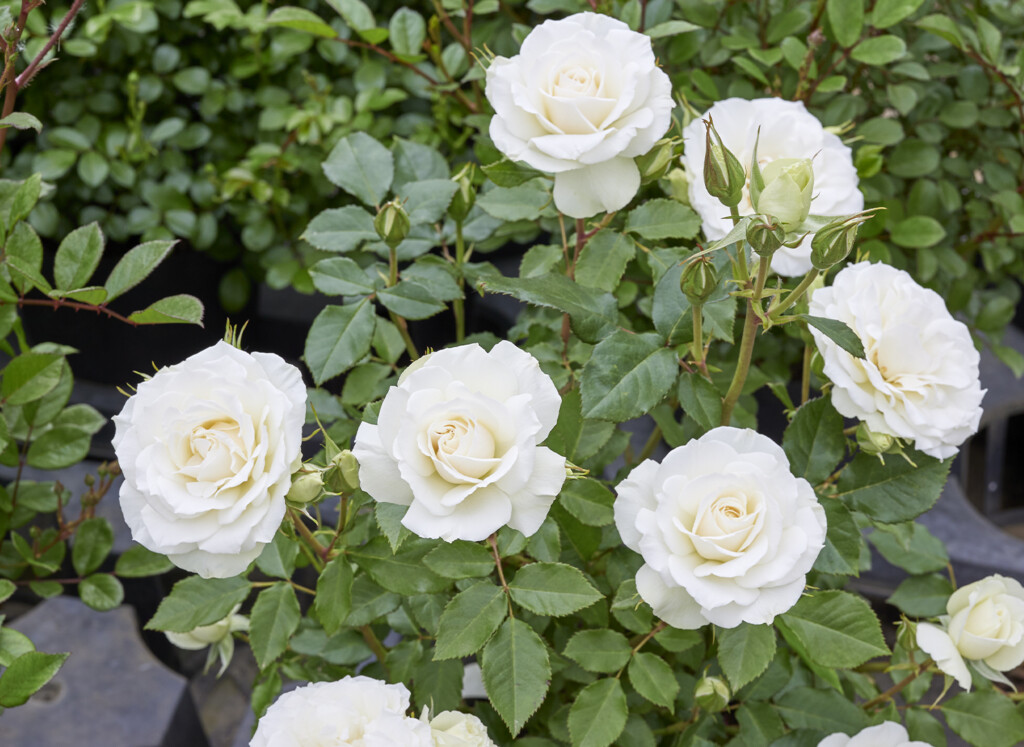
(712, 694)
(342, 475)
(306, 487)
(834, 241)
(872, 442)
(724, 176)
(677, 185)
(465, 197)
(392, 223)
(766, 234)
(787, 192)
(699, 280)
(655, 162)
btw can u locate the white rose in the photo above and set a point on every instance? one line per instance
(788, 130)
(581, 100)
(919, 379)
(726, 531)
(217, 635)
(352, 712)
(455, 729)
(985, 623)
(456, 441)
(886, 734)
(207, 448)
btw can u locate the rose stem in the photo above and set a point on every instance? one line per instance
(643, 642)
(457, 305)
(375, 645)
(501, 574)
(698, 333)
(307, 535)
(805, 377)
(887, 695)
(794, 295)
(741, 254)
(746, 345)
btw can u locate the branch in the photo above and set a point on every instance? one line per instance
(31, 70)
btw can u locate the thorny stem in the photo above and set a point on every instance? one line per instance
(59, 303)
(33, 66)
(643, 641)
(746, 345)
(887, 695)
(492, 541)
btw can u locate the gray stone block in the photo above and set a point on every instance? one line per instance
(111, 691)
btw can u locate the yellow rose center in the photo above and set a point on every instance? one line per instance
(461, 448)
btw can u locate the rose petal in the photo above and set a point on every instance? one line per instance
(603, 187)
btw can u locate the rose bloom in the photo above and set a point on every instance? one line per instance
(984, 623)
(581, 100)
(919, 379)
(886, 734)
(207, 448)
(456, 441)
(788, 130)
(352, 712)
(455, 729)
(726, 531)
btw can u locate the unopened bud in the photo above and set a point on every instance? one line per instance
(465, 196)
(655, 162)
(787, 192)
(765, 234)
(712, 694)
(873, 442)
(678, 186)
(724, 176)
(834, 241)
(342, 474)
(306, 487)
(699, 280)
(392, 223)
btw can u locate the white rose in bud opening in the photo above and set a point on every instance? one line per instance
(581, 100)
(788, 130)
(886, 734)
(985, 623)
(208, 448)
(726, 531)
(208, 635)
(456, 441)
(455, 729)
(352, 712)
(919, 379)
(788, 188)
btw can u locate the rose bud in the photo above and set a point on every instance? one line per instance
(656, 161)
(712, 694)
(724, 176)
(342, 476)
(765, 234)
(787, 192)
(833, 242)
(699, 280)
(465, 197)
(306, 487)
(392, 223)
(872, 442)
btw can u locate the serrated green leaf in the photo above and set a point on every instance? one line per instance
(94, 539)
(814, 440)
(982, 718)
(700, 400)
(334, 594)
(837, 331)
(627, 374)
(407, 31)
(135, 266)
(922, 596)
(274, 617)
(469, 620)
(7, 588)
(662, 218)
(26, 675)
(362, 167)
(922, 554)
(516, 673)
(838, 629)
(896, 491)
(825, 711)
(599, 650)
(460, 559)
(278, 557)
(338, 339)
(598, 715)
(520, 202)
(604, 259)
(101, 591)
(552, 589)
(139, 562)
(589, 501)
(653, 679)
(745, 652)
(403, 572)
(389, 520)
(22, 121)
(179, 309)
(759, 724)
(841, 553)
(410, 300)
(196, 601)
(30, 376)
(340, 229)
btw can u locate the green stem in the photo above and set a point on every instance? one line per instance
(795, 295)
(741, 252)
(399, 322)
(375, 645)
(746, 345)
(652, 443)
(805, 378)
(458, 306)
(492, 541)
(887, 695)
(319, 551)
(698, 333)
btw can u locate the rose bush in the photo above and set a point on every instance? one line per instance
(727, 533)
(581, 100)
(787, 131)
(350, 712)
(886, 734)
(984, 623)
(919, 377)
(208, 447)
(457, 441)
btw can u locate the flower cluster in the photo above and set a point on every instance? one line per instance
(361, 712)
